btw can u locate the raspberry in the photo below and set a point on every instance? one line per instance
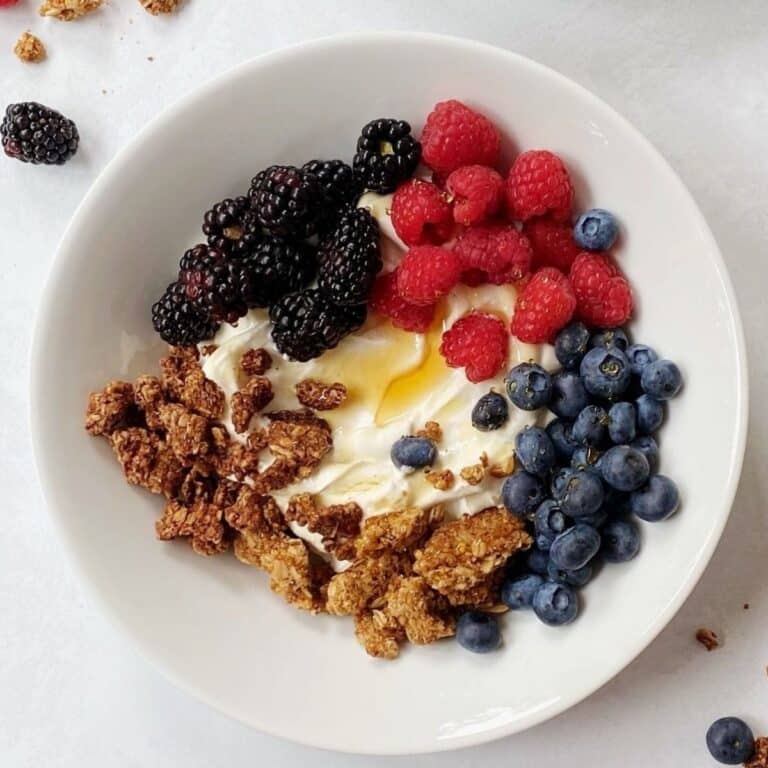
(426, 273)
(553, 244)
(477, 192)
(478, 343)
(474, 277)
(544, 306)
(7, 3)
(455, 135)
(420, 213)
(603, 294)
(498, 249)
(386, 301)
(538, 182)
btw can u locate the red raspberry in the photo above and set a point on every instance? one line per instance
(603, 294)
(538, 182)
(544, 306)
(478, 343)
(421, 213)
(495, 248)
(477, 192)
(553, 244)
(385, 300)
(474, 277)
(426, 273)
(455, 135)
(7, 3)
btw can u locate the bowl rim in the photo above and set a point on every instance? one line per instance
(201, 93)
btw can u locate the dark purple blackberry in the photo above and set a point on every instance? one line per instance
(231, 227)
(337, 179)
(386, 154)
(212, 284)
(177, 319)
(349, 258)
(306, 324)
(36, 134)
(287, 201)
(274, 268)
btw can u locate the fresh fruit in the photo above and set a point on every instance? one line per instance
(596, 230)
(338, 180)
(552, 243)
(534, 450)
(586, 457)
(569, 397)
(478, 632)
(387, 154)
(730, 741)
(522, 493)
(536, 561)
(555, 604)
(650, 414)
(605, 372)
(574, 548)
(603, 295)
(583, 494)
(477, 192)
(610, 337)
(661, 379)
(490, 412)
(591, 426)
(558, 482)
(36, 134)
(622, 423)
(385, 300)
(649, 448)
(7, 3)
(559, 432)
(529, 386)
(421, 213)
(576, 578)
(478, 343)
(413, 452)
(231, 226)
(571, 345)
(517, 592)
(427, 273)
(544, 306)
(624, 468)
(498, 250)
(455, 135)
(538, 183)
(657, 500)
(639, 355)
(620, 541)
(178, 321)
(548, 523)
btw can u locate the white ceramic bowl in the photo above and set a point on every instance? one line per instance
(211, 624)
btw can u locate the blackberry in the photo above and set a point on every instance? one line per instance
(34, 133)
(386, 154)
(287, 201)
(349, 258)
(274, 268)
(337, 179)
(212, 283)
(306, 324)
(231, 227)
(177, 319)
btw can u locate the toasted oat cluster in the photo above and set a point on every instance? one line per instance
(29, 48)
(68, 10)
(156, 7)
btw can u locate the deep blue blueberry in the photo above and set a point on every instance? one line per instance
(596, 230)
(577, 578)
(622, 423)
(596, 519)
(615, 503)
(586, 457)
(555, 604)
(661, 379)
(657, 500)
(517, 592)
(534, 450)
(730, 741)
(548, 523)
(611, 337)
(569, 397)
(605, 372)
(575, 547)
(650, 414)
(522, 493)
(583, 494)
(649, 448)
(537, 561)
(621, 540)
(639, 356)
(413, 452)
(558, 484)
(624, 468)
(591, 426)
(490, 412)
(571, 345)
(559, 432)
(529, 386)
(478, 632)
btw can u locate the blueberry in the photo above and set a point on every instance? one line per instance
(521, 493)
(571, 345)
(529, 386)
(548, 523)
(558, 484)
(537, 561)
(534, 450)
(583, 494)
(569, 397)
(649, 448)
(605, 372)
(586, 457)
(555, 604)
(621, 540)
(590, 426)
(578, 578)
(596, 230)
(611, 337)
(622, 423)
(490, 412)
(657, 500)
(575, 547)
(413, 452)
(650, 414)
(661, 379)
(560, 434)
(624, 468)
(730, 741)
(639, 356)
(518, 592)
(478, 632)
(596, 519)
(615, 503)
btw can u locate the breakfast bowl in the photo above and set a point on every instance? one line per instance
(211, 625)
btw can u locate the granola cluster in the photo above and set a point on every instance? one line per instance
(29, 48)
(68, 10)
(156, 7)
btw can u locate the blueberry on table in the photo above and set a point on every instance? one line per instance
(517, 592)
(490, 412)
(578, 578)
(529, 386)
(561, 435)
(522, 493)
(583, 494)
(574, 548)
(661, 379)
(624, 468)
(622, 423)
(537, 561)
(591, 426)
(555, 604)
(569, 397)
(610, 337)
(413, 452)
(640, 355)
(548, 523)
(596, 230)
(650, 414)
(620, 541)
(649, 448)
(478, 632)
(534, 450)
(605, 372)
(571, 345)
(657, 500)
(730, 741)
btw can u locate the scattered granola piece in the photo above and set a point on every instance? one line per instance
(320, 396)
(396, 531)
(149, 395)
(379, 633)
(432, 430)
(29, 48)
(746, 606)
(441, 479)
(109, 409)
(201, 394)
(156, 7)
(176, 366)
(353, 590)
(147, 461)
(208, 349)
(250, 400)
(68, 10)
(708, 638)
(186, 432)
(338, 524)
(201, 522)
(422, 612)
(256, 362)
(474, 474)
(759, 757)
(503, 468)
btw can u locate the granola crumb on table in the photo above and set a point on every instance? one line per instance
(708, 638)
(68, 10)
(29, 48)
(156, 7)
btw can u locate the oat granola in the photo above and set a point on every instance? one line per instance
(256, 362)
(320, 396)
(156, 7)
(68, 10)
(29, 48)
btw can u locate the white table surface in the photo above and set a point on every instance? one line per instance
(692, 76)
